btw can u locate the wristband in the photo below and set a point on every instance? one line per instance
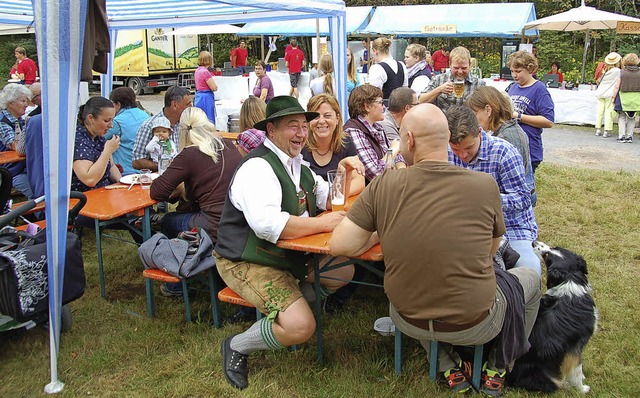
(519, 117)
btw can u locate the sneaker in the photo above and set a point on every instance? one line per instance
(606, 134)
(491, 382)
(622, 139)
(459, 378)
(171, 289)
(629, 140)
(598, 133)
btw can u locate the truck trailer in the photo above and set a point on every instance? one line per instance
(147, 60)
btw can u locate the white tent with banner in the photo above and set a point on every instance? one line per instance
(504, 20)
(357, 18)
(60, 27)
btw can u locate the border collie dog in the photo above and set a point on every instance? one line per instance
(566, 321)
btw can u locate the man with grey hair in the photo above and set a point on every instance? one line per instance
(36, 99)
(176, 100)
(401, 100)
(440, 90)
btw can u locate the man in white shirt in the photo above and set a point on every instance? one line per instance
(274, 196)
(401, 100)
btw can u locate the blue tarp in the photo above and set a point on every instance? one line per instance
(467, 20)
(357, 18)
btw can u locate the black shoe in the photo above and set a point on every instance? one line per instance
(244, 314)
(234, 365)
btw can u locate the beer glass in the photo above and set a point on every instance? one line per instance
(337, 188)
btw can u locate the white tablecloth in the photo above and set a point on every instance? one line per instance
(570, 106)
(233, 89)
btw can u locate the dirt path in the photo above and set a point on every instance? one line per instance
(578, 146)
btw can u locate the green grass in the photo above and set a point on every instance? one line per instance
(114, 350)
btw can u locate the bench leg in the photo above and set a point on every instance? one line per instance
(185, 296)
(433, 360)
(398, 352)
(151, 300)
(213, 291)
(477, 366)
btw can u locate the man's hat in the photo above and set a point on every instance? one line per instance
(283, 105)
(612, 58)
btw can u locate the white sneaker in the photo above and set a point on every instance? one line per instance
(598, 133)
(606, 134)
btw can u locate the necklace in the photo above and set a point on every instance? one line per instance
(323, 154)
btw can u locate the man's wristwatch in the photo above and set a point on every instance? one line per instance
(519, 117)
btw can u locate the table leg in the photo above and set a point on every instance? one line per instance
(318, 305)
(103, 292)
(146, 224)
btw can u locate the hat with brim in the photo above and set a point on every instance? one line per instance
(283, 105)
(161, 122)
(612, 58)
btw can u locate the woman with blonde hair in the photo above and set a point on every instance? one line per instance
(627, 97)
(253, 111)
(495, 115)
(604, 94)
(205, 166)
(353, 80)
(387, 74)
(419, 71)
(324, 83)
(327, 144)
(532, 103)
(205, 98)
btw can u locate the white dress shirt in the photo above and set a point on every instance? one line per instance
(378, 76)
(256, 192)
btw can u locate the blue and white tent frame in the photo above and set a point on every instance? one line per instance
(60, 29)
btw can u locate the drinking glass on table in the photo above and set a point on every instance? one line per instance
(337, 188)
(145, 178)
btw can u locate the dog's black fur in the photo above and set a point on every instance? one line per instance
(566, 321)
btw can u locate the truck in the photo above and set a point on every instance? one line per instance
(147, 60)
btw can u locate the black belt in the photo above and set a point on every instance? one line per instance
(444, 327)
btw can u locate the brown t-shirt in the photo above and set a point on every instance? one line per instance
(436, 222)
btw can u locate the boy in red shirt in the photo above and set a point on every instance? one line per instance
(295, 60)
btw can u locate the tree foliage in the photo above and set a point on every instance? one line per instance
(565, 48)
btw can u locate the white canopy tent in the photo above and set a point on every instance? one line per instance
(204, 30)
(60, 27)
(357, 18)
(452, 20)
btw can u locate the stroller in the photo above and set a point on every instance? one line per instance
(24, 298)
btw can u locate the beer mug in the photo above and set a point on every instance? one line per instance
(458, 88)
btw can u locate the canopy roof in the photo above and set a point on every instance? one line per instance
(357, 18)
(204, 30)
(465, 20)
(580, 18)
(176, 13)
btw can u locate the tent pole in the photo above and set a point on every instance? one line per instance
(317, 42)
(584, 56)
(261, 46)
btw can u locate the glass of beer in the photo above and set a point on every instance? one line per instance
(337, 189)
(458, 88)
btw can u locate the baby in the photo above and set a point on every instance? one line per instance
(161, 129)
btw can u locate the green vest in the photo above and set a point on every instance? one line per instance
(238, 242)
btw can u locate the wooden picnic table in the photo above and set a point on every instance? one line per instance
(10, 157)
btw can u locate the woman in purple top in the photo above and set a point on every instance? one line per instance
(263, 88)
(532, 103)
(205, 86)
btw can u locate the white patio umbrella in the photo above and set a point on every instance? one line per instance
(578, 19)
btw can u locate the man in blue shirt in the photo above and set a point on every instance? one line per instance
(472, 148)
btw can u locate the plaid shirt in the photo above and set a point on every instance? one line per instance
(145, 134)
(7, 132)
(502, 160)
(373, 166)
(444, 101)
(250, 139)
